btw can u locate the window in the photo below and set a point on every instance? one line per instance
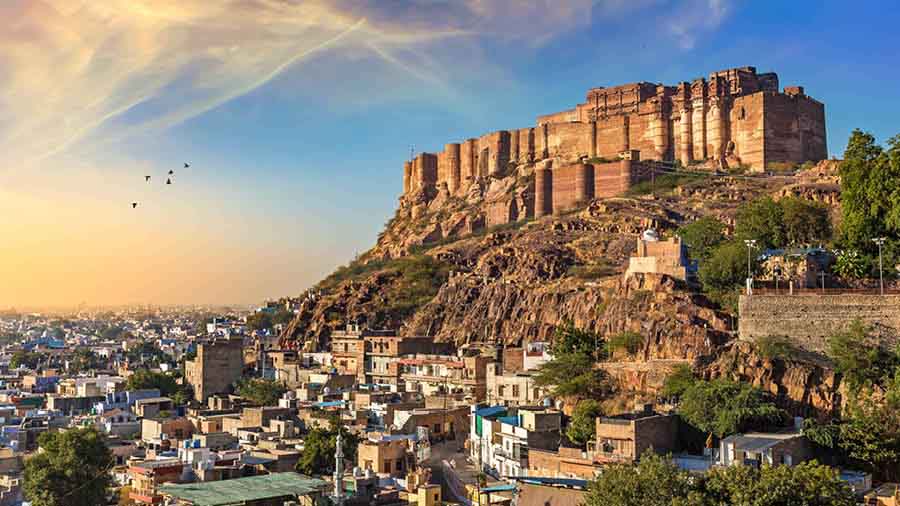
(515, 390)
(399, 465)
(387, 466)
(437, 428)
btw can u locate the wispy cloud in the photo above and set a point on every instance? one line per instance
(695, 18)
(71, 68)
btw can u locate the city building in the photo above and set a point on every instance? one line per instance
(218, 365)
(769, 448)
(625, 437)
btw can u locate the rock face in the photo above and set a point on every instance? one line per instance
(474, 266)
(804, 388)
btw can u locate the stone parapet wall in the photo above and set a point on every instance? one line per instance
(810, 319)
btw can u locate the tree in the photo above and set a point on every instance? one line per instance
(678, 381)
(807, 484)
(145, 379)
(726, 268)
(763, 220)
(570, 339)
(870, 190)
(655, 481)
(71, 470)
(870, 434)
(29, 360)
(319, 446)
(859, 357)
(583, 424)
(702, 236)
(804, 221)
(260, 391)
(723, 407)
(84, 360)
(574, 375)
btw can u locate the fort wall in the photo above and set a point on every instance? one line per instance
(809, 320)
(734, 117)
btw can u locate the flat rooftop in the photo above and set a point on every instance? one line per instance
(242, 490)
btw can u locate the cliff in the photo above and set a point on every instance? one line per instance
(513, 283)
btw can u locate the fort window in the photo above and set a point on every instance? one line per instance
(742, 114)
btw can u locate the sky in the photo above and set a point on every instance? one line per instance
(296, 117)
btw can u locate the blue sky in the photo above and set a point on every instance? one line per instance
(297, 136)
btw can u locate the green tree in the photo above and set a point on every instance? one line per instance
(870, 190)
(570, 339)
(26, 359)
(144, 379)
(807, 484)
(870, 434)
(678, 381)
(859, 357)
(260, 391)
(726, 268)
(574, 375)
(724, 407)
(583, 424)
(804, 221)
(84, 360)
(72, 469)
(319, 446)
(763, 220)
(655, 481)
(702, 236)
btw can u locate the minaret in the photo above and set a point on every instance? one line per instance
(338, 471)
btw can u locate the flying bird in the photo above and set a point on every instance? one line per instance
(168, 181)
(171, 172)
(147, 178)
(134, 205)
(186, 165)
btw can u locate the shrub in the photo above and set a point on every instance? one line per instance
(631, 342)
(776, 347)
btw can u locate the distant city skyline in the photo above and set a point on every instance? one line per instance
(296, 118)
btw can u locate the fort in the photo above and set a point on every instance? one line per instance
(735, 118)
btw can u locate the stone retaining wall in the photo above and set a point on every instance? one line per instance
(810, 319)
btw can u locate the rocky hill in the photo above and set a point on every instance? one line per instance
(439, 271)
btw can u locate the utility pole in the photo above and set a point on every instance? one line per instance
(880, 242)
(751, 244)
